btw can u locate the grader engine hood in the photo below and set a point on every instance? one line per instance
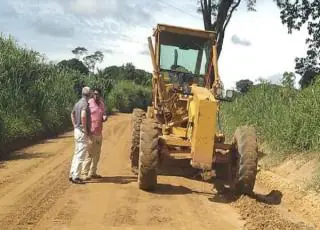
(202, 112)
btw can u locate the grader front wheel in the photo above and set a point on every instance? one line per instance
(137, 116)
(148, 157)
(245, 147)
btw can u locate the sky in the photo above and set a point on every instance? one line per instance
(256, 44)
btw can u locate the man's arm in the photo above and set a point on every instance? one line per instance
(73, 118)
(104, 117)
(84, 121)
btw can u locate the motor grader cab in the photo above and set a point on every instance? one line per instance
(184, 115)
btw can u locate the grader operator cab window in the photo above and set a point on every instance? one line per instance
(185, 57)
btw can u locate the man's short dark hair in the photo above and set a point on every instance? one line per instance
(97, 89)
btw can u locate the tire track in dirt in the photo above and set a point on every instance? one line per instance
(125, 214)
(60, 215)
(33, 185)
(36, 202)
(24, 181)
(45, 199)
(130, 208)
(18, 177)
(68, 206)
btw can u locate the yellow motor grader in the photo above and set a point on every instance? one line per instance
(184, 115)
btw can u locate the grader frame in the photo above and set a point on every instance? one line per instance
(184, 115)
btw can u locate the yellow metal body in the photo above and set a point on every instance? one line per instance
(202, 117)
(179, 132)
(175, 141)
(186, 120)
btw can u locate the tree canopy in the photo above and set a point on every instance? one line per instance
(244, 85)
(294, 14)
(288, 79)
(128, 72)
(79, 51)
(74, 64)
(91, 60)
(217, 15)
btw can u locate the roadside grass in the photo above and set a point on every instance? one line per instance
(36, 97)
(287, 120)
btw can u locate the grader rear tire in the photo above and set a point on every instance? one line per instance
(245, 143)
(148, 157)
(137, 116)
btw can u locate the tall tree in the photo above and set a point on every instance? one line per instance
(78, 65)
(217, 14)
(288, 79)
(308, 77)
(91, 60)
(295, 14)
(79, 51)
(243, 86)
(74, 64)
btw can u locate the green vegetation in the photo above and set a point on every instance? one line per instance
(243, 86)
(36, 98)
(286, 119)
(127, 95)
(123, 87)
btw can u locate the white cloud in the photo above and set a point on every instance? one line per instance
(85, 7)
(121, 27)
(239, 41)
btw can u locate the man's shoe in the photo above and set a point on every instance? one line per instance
(96, 176)
(78, 181)
(87, 178)
(135, 170)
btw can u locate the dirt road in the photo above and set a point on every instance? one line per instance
(35, 194)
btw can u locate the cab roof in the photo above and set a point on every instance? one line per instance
(183, 30)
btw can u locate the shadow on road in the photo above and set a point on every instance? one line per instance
(261, 154)
(168, 189)
(182, 168)
(272, 198)
(24, 156)
(179, 168)
(55, 140)
(114, 180)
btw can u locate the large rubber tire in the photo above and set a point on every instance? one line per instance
(149, 155)
(246, 163)
(137, 116)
